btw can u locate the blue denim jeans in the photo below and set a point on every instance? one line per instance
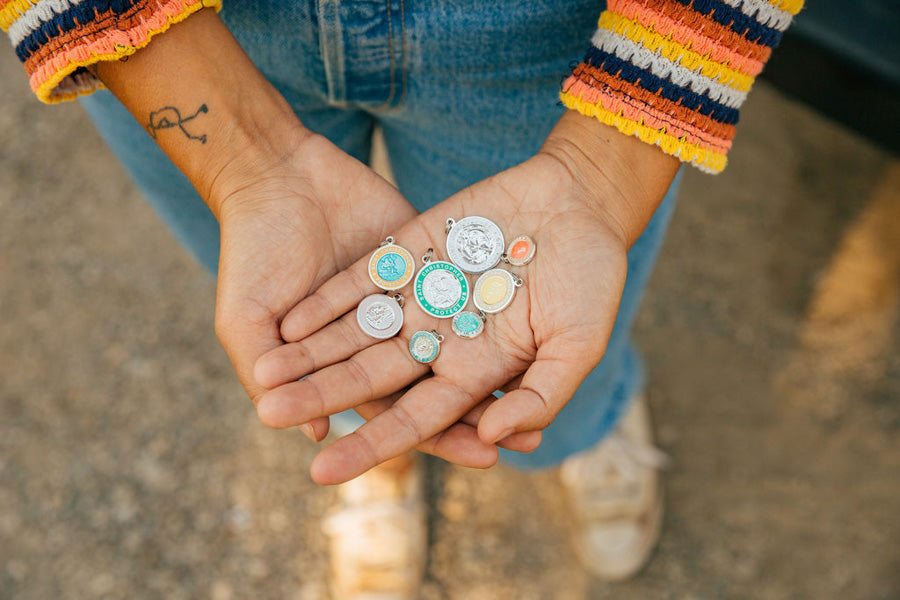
(462, 90)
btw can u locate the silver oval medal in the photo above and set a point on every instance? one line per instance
(379, 316)
(495, 289)
(475, 244)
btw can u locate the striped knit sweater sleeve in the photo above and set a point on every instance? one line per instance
(57, 40)
(675, 72)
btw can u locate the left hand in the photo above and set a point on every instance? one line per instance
(583, 215)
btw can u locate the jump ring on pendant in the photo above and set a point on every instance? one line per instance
(450, 224)
(517, 280)
(387, 241)
(439, 337)
(400, 299)
(427, 258)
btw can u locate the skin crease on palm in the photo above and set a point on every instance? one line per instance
(545, 342)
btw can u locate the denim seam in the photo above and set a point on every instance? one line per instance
(331, 47)
(389, 105)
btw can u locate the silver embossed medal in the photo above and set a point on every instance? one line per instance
(495, 289)
(441, 288)
(380, 316)
(391, 266)
(474, 244)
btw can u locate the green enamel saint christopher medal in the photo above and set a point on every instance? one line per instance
(441, 288)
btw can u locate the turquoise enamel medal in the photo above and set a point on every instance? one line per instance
(424, 346)
(441, 288)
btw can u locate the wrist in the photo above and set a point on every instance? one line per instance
(618, 177)
(196, 92)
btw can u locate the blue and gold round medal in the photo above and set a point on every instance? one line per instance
(391, 267)
(441, 289)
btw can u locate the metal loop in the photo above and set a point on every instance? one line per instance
(450, 224)
(482, 316)
(517, 280)
(387, 241)
(427, 258)
(400, 299)
(438, 336)
(505, 258)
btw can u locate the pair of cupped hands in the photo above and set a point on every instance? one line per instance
(295, 247)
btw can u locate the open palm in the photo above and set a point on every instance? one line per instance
(539, 349)
(295, 224)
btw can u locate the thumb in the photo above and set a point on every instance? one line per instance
(546, 387)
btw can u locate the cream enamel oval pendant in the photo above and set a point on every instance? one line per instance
(495, 289)
(468, 324)
(424, 346)
(380, 316)
(391, 266)
(441, 289)
(475, 244)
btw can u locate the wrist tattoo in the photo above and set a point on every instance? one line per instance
(170, 117)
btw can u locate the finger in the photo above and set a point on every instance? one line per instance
(373, 373)
(343, 292)
(245, 335)
(546, 387)
(526, 441)
(317, 429)
(332, 299)
(289, 362)
(423, 412)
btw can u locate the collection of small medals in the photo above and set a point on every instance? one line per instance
(474, 245)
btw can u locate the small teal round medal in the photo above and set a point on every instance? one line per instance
(424, 346)
(467, 324)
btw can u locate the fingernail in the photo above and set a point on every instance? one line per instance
(308, 431)
(503, 435)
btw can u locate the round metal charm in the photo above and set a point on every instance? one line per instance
(468, 324)
(495, 289)
(391, 266)
(379, 316)
(441, 289)
(474, 243)
(424, 346)
(520, 252)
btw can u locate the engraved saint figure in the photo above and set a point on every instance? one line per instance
(380, 316)
(391, 267)
(475, 244)
(441, 289)
(424, 346)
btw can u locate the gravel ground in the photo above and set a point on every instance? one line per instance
(132, 466)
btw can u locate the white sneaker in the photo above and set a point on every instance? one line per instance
(378, 535)
(615, 493)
